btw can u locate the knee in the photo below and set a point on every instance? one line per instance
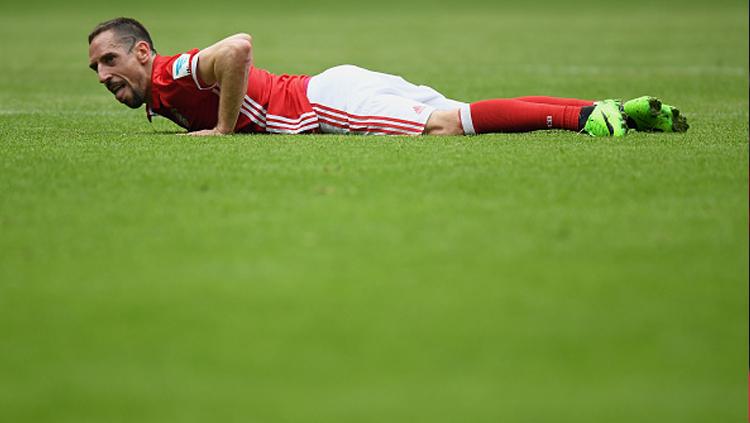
(444, 122)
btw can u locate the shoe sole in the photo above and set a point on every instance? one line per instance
(678, 122)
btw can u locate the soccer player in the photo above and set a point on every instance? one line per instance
(219, 91)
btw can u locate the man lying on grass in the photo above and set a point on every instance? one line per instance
(218, 91)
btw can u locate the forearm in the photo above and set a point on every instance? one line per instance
(231, 69)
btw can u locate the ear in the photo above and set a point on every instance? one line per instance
(142, 51)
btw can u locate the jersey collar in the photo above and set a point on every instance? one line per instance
(154, 102)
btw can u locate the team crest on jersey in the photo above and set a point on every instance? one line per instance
(181, 67)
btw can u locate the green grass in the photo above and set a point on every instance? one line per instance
(549, 276)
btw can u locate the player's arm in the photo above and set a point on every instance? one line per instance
(227, 63)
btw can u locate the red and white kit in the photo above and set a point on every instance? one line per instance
(344, 99)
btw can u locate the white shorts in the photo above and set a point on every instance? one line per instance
(352, 100)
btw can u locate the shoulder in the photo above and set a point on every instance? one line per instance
(174, 82)
(168, 69)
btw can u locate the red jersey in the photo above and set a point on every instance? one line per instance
(274, 103)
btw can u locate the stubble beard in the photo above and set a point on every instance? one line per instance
(137, 98)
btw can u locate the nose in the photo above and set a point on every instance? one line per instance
(103, 75)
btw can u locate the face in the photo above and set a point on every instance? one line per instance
(121, 64)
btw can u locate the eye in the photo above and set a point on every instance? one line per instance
(108, 59)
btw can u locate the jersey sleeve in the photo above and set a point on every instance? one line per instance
(186, 66)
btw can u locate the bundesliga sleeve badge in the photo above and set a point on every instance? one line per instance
(181, 67)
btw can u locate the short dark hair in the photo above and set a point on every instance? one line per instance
(124, 27)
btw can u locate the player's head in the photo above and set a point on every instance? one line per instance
(120, 52)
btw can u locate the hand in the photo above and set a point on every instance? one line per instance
(207, 132)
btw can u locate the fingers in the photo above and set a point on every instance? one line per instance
(203, 133)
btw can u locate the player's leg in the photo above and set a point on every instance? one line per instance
(521, 115)
(511, 115)
(355, 100)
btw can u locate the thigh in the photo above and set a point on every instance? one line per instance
(349, 99)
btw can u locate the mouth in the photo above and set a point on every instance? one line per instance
(117, 88)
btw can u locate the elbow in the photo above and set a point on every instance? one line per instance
(244, 37)
(240, 48)
(245, 49)
(243, 43)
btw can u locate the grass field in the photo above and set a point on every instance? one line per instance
(549, 276)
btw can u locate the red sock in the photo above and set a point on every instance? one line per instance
(511, 115)
(559, 101)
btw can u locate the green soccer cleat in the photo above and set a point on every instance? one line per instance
(606, 120)
(649, 114)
